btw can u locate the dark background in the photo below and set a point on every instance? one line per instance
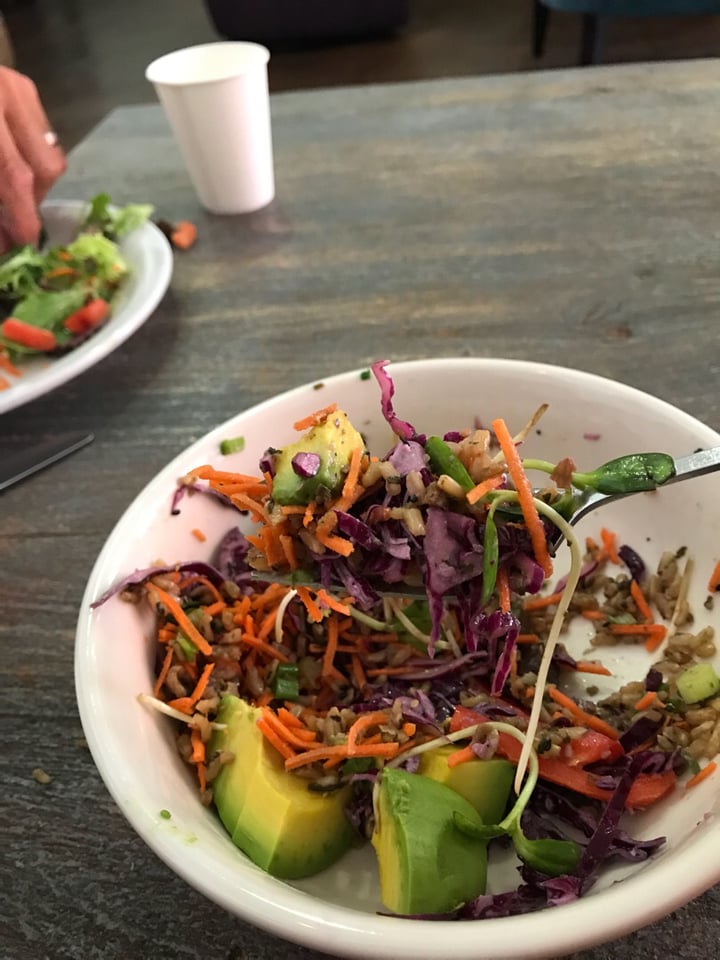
(88, 56)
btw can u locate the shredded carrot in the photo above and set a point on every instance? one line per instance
(353, 475)
(702, 775)
(539, 603)
(292, 509)
(331, 649)
(655, 639)
(382, 750)
(329, 601)
(503, 588)
(264, 699)
(198, 747)
(208, 472)
(309, 513)
(334, 543)
(461, 756)
(636, 629)
(289, 735)
(288, 545)
(315, 418)
(60, 272)
(358, 672)
(654, 632)
(647, 700)
(208, 584)
(525, 495)
(259, 512)
(714, 581)
(202, 780)
(609, 540)
(4, 383)
(184, 622)
(587, 719)
(409, 729)
(640, 601)
(592, 666)
(484, 487)
(289, 719)
(8, 366)
(199, 535)
(264, 647)
(314, 611)
(366, 720)
(528, 638)
(280, 745)
(215, 608)
(167, 663)
(592, 614)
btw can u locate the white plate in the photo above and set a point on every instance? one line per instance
(336, 911)
(150, 260)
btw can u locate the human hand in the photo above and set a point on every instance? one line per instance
(30, 159)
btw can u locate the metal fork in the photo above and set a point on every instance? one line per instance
(686, 468)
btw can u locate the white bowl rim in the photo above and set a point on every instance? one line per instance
(297, 916)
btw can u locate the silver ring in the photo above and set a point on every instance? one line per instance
(51, 138)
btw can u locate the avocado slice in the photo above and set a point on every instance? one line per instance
(272, 816)
(484, 783)
(426, 864)
(331, 443)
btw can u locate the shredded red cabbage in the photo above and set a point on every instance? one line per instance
(400, 428)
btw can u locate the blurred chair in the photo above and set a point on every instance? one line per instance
(7, 58)
(597, 13)
(294, 21)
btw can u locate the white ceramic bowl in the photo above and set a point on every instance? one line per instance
(590, 418)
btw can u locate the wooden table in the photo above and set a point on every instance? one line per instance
(568, 217)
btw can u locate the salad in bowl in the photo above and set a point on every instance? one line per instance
(371, 654)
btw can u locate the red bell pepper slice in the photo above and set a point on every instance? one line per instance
(569, 772)
(27, 335)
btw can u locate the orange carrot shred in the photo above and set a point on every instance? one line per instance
(358, 672)
(479, 491)
(592, 614)
(167, 663)
(539, 603)
(280, 745)
(199, 535)
(714, 581)
(184, 622)
(701, 775)
(587, 719)
(592, 666)
(287, 543)
(647, 700)
(640, 601)
(327, 598)
(289, 719)
(314, 611)
(461, 756)
(198, 747)
(525, 495)
(330, 650)
(609, 540)
(315, 418)
(528, 638)
(503, 587)
(366, 720)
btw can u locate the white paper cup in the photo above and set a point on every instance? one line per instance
(216, 99)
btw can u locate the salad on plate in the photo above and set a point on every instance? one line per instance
(380, 659)
(53, 298)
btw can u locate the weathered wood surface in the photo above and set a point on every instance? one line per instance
(568, 217)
